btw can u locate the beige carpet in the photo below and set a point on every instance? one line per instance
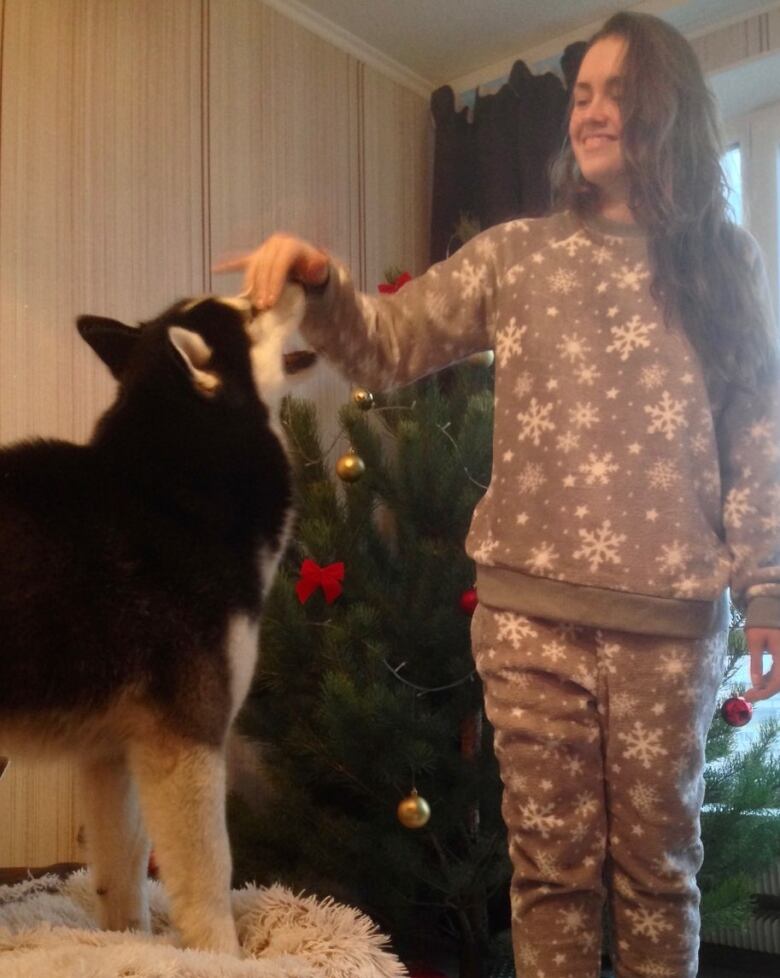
(47, 930)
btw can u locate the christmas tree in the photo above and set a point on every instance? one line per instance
(366, 696)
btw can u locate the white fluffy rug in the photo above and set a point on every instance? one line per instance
(47, 931)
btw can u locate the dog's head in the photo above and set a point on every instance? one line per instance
(219, 344)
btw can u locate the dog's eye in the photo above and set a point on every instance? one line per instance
(298, 360)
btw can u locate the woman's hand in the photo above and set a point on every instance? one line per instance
(277, 259)
(759, 641)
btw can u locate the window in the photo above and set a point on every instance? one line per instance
(752, 164)
(732, 167)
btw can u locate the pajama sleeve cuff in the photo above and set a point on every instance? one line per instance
(763, 612)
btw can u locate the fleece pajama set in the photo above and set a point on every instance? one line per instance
(628, 494)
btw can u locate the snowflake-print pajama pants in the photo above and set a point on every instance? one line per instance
(600, 740)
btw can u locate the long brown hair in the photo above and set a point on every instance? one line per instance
(702, 265)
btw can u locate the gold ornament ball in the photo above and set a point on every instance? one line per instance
(483, 359)
(362, 398)
(350, 467)
(413, 811)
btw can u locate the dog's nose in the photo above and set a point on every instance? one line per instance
(241, 303)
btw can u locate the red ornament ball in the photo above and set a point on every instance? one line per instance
(468, 601)
(736, 711)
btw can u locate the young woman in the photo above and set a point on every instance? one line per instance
(636, 478)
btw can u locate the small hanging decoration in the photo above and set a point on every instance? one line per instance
(362, 398)
(350, 467)
(413, 811)
(152, 866)
(468, 601)
(313, 576)
(736, 711)
(483, 359)
(394, 283)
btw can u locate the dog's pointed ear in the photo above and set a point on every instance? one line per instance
(194, 355)
(111, 340)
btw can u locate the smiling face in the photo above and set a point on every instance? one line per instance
(596, 125)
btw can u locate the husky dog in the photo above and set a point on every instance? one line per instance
(132, 571)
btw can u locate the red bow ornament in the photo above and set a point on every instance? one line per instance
(313, 576)
(395, 285)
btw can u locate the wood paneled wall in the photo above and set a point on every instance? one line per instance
(140, 141)
(101, 190)
(395, 191)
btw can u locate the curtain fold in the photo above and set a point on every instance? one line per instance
(496, 166)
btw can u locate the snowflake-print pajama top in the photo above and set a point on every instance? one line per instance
(623, 495)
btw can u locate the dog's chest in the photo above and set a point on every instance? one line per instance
(242, 641)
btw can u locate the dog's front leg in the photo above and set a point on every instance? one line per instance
(116, 842)
(182, 787)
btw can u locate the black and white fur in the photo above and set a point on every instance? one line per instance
(132, 571)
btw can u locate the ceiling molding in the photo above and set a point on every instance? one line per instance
(711, 42)
(353, 45)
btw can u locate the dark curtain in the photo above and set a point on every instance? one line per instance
(496, 166)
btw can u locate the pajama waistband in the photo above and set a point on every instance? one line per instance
(578, 604)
